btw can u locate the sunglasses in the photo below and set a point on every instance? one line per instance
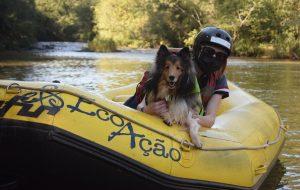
(211, 53)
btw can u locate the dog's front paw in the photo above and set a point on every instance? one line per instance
(168, 122)
(197, 142)
(195, 139)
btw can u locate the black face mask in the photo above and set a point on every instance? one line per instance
(210, 60)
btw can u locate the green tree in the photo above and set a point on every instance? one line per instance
(17, 24)
(134, 23)
(268, 28)
(123, 21)
(259, 27)
(65, 20)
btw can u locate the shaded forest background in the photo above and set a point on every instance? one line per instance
(261, 28)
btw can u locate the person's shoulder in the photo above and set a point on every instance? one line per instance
(222, 86)
(222, 81)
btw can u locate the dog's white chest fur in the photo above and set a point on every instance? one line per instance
(178, 110)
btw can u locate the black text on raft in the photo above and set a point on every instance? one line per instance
(125, 128)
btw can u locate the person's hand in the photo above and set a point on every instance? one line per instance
(156, 108)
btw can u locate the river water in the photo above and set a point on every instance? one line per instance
(276, 82)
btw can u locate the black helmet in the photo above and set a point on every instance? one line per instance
(213, 36)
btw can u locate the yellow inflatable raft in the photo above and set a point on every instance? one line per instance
(238, 152)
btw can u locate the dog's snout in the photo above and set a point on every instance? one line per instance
(171, 78)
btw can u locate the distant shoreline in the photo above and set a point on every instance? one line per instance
(44, 50)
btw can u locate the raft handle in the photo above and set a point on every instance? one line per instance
(13, 88)
(285, 127)
(261, 169)
(185, 145)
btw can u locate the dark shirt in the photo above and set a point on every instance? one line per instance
(210, 86)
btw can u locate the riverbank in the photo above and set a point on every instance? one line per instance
(79, 50)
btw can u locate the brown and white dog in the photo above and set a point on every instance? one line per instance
(173, 79)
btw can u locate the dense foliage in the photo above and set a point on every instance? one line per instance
(65, 20)
(17, 23)
(259, 27)
(23, 22)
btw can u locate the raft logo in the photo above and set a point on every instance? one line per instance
(146, 145)
(52, 103)
(49, 101)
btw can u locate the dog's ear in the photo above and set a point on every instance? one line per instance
(162, 51)
(184, 53)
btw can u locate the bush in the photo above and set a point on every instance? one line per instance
(244, 47)
(189, 41)
(102, 45)
(17, 24)
(286, 46)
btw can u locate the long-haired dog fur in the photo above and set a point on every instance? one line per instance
(173, 79)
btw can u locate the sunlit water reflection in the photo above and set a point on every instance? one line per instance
(275, 82)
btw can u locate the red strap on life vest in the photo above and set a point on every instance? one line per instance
(140, 92)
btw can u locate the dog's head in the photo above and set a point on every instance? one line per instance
(176, 69)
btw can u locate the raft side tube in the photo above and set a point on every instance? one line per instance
(145, 141)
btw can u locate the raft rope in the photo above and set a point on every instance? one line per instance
(185, 144)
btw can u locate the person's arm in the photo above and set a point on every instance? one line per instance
(211, 111)
(221, 92)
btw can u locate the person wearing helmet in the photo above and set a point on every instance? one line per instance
(211, 49)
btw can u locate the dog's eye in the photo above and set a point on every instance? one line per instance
(167, 66)
(178, 68)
